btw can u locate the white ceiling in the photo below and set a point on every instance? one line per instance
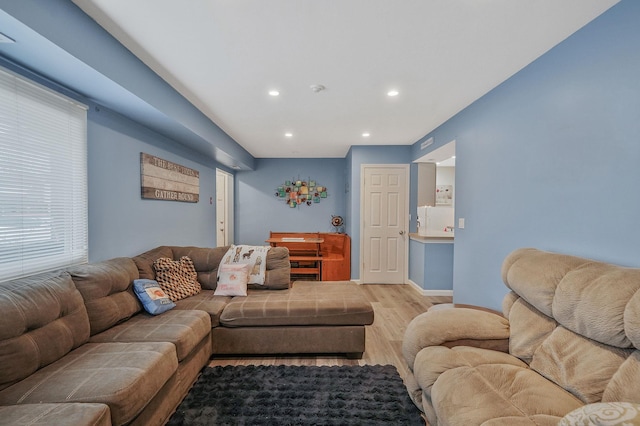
(224, 56)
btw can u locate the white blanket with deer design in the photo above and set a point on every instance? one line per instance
(255, 256)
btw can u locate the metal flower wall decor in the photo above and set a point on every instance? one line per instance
(298, 192)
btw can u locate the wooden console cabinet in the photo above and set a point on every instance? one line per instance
(325, 255)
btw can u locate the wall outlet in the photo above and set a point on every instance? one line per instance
(461, 223)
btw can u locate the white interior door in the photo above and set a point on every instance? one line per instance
(224, 208)
(384, 223)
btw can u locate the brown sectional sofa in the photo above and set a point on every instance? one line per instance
(77, 348)
(566, 349)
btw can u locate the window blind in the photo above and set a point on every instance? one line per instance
(43, 179)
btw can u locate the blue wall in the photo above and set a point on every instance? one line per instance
(549, 159)
(259, 211)
(121, 223)
(430, 265)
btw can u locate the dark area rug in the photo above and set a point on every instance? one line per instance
(293, 395)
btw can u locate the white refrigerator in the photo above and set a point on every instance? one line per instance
(435, 221)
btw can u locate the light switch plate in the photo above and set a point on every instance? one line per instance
(461, 223)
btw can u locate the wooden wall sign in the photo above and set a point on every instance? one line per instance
(164, 180)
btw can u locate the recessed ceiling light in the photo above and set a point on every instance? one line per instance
(288, 134)
(366, 134)
(274, 93)
(392, 93)
(317, 88)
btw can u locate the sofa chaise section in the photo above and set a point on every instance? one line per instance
(310, 317)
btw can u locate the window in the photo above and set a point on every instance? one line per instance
(43, 179)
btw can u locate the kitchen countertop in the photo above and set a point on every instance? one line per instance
(439, 237)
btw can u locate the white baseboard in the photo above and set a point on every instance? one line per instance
(424, 292)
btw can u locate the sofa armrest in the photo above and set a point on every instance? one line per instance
(455, 327)
(604, 413)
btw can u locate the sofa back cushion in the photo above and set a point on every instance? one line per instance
(625, 384)
(278, 270)
(574, 320)
(144, 261)
(206, 261)
(580, 365)
(43, 318)
(107, 289)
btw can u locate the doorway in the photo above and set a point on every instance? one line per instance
(384, 223)
(224, 208)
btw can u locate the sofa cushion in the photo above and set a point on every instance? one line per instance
(455, 327)
(534, 275)
(435, 360)
(185, 329)
(124, 376)
(503, 394)
(432, 361)
(625, 383)
(632, 320)
(205, 301)
(154, 300)
(528, 329)
(278, 274)
(581, 366)
(144, 261)
(585, 303)
(306, 303)
(56, 414)
(206, 262)
(177, 278)
(232, 280)
(43, 318)
(107, 291)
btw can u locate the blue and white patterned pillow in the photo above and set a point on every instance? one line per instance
(153, 298)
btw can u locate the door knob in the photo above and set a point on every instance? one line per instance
(401, 232)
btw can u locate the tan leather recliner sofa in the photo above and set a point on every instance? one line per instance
(565, 351)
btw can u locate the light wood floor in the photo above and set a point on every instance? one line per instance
(394, 306)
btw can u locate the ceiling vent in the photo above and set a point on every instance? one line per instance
(426, 143)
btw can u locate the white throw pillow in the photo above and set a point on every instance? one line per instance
(232, 280)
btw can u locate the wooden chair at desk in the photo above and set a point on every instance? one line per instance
(336, 257)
